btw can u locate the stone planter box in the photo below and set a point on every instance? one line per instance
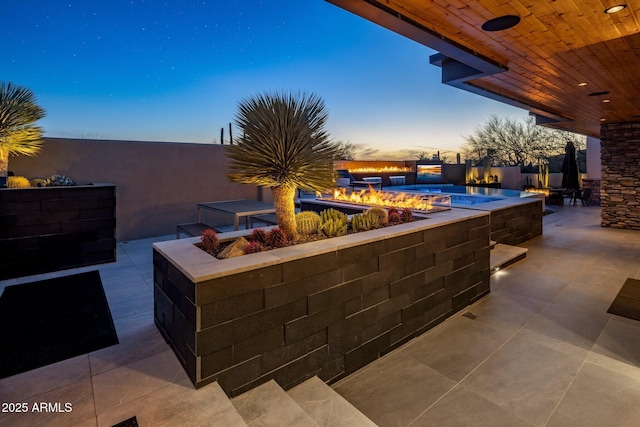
(55, 228)
(324, 308)
(514, 220)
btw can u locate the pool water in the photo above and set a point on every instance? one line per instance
(459, 199)
(461, 194)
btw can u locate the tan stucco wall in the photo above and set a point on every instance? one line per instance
(158, 183)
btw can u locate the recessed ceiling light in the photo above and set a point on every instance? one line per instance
(599, 93)
(582, 84)
(501, 23)
(615, 9)
(603, 120)
(606, 100)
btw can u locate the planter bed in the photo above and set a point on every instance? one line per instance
(514, 220)
(323, 308)
(54, 228)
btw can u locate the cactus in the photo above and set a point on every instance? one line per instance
(210, 242)
(395, 217)
(254, 247)
(334, 222)
(18, 182)
(381, 213)
(278, 238)
(333, 214)
(364, 222)
(307, 223)
(334, 227)
(58, 180)
(392, 211)
(407, 215)
(259, 235)
(372, 219)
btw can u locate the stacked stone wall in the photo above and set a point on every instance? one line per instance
(594, 185)
(620, 184)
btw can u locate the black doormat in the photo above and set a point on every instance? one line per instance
(627, 302)
(131, 422)
(52, 320)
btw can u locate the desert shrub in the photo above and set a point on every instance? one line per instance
(58, 180)
(407, 215)
(18, 182)
(334, 227)
(254, 247)
(333, 214)
(37, 182)
(383, 216)
(278, 238)
(334, 222)
(395, 217)
(364, 222)
(259, 235)
(210, 241)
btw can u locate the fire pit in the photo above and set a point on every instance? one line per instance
(421, 203)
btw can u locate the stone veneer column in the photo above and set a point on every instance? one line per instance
(620, 185)
(594, 185)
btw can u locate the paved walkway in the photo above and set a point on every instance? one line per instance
(539, 350)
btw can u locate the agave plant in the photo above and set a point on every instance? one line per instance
(18, 135)
(283, 145)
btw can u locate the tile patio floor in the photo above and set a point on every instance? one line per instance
(539, 350)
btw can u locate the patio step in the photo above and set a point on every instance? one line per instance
(325, 406)
(312, 403)
(228, 415)
(502, 256)
(269, 405)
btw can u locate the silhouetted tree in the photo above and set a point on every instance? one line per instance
(345, 150)
(517, 142)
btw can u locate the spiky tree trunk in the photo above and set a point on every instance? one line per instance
(284, 203)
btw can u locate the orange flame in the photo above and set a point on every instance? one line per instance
(372, 197)
(382, 169)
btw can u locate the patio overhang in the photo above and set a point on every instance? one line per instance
(571, 65)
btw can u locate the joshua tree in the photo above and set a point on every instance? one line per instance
(18, 135)
(283, 145)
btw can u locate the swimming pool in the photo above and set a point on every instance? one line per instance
(461, 195)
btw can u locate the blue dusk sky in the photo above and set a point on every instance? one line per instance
(175, 70)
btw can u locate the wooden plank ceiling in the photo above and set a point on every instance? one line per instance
(557, 45)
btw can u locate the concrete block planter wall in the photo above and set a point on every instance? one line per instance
(55, 228)
(324, 308)
(514, 220)
(517, 223)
